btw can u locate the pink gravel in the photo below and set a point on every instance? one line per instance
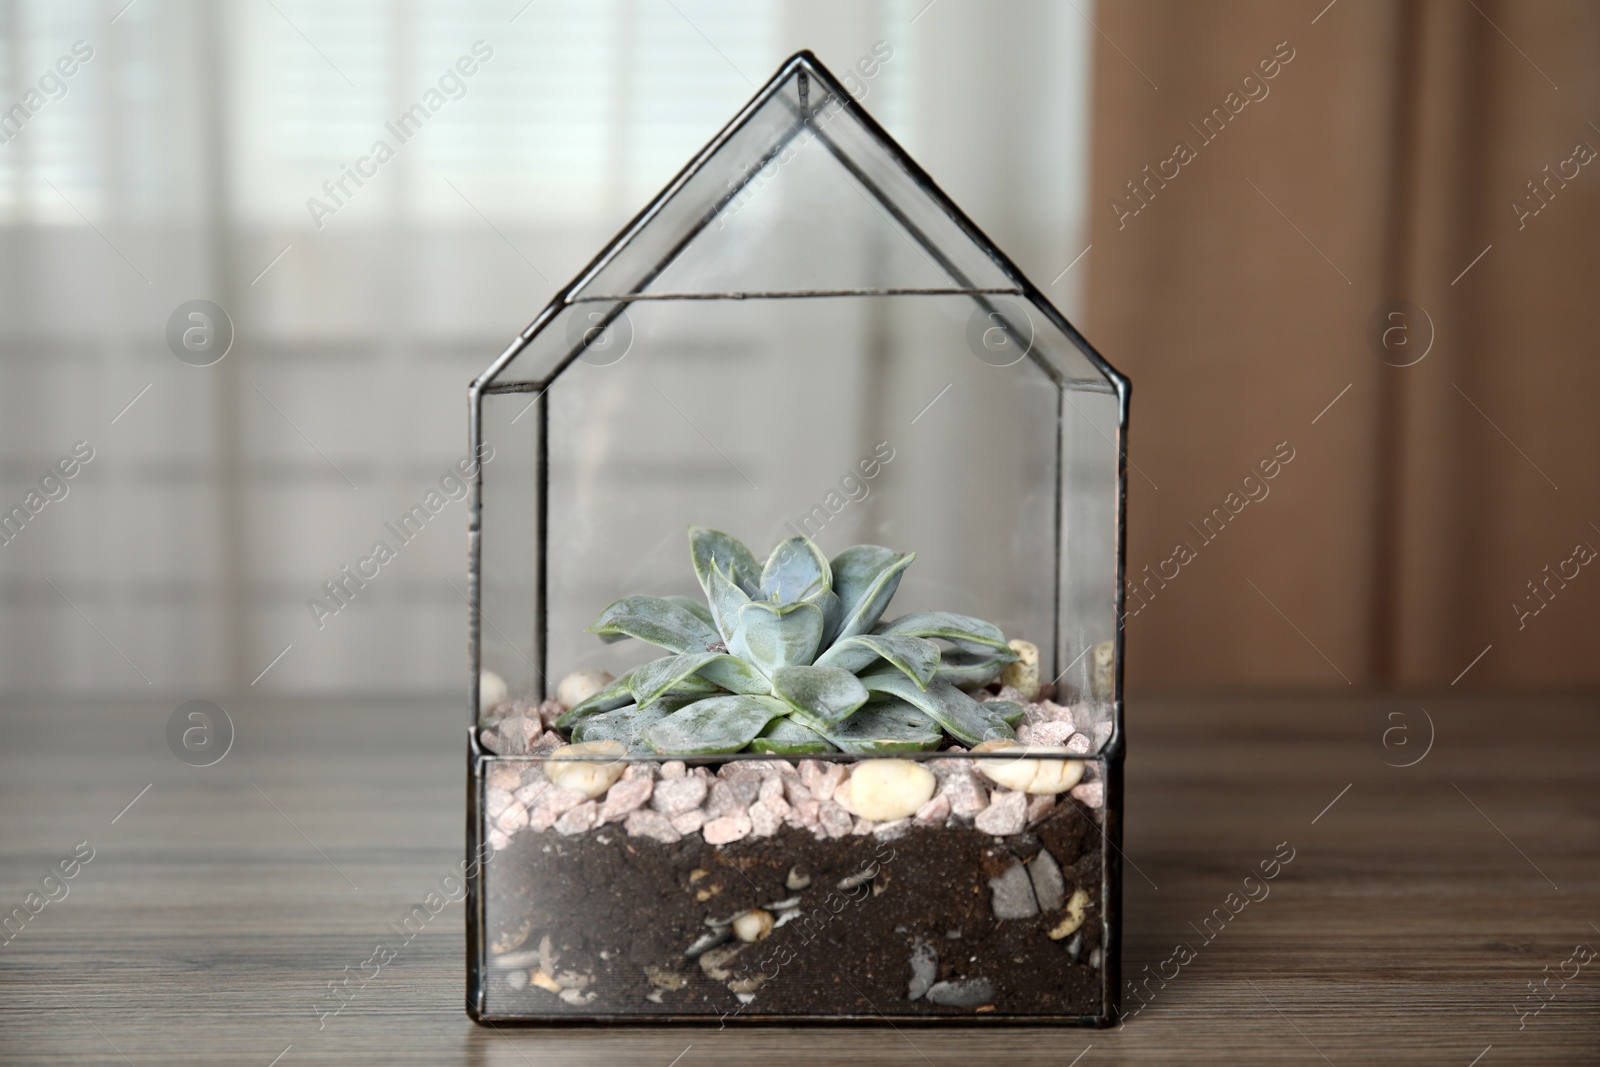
(651, 824)
(674, 796)
(727, 829)
(627, 795)
(578, 819)
(1007, 813)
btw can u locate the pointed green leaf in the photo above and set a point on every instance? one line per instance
(866, 577)
(713, 726)
(963, 631)
(772, 636)
(615, 695)
(658, 621)
(1009, 711)
(671, 674)
(970, 670)
(827, 695)
(918, 657)
(796, 570)
(626, 724)
(727, 599)
(960, 715)
(887, 725)
(785, 737)
(713, 548)
(695, 607)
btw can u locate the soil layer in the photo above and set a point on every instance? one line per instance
(621, 914)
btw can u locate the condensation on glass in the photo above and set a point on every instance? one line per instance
(799, 306)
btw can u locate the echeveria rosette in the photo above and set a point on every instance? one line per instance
(792, 658)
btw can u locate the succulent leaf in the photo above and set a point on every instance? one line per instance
(710, 549)
(796, 570)
(970, 670)
(656, 620)
(785, 737)
(963, 631)
(613, 696)
(960, 715)
(826, 695)
(727, 600)
(697, 607)
(866, 577)
(678, 674)
(771, 636)
(918, 657)
(1008, 710)
(734, 675)
(714, 725)
(886, 725)
(626, 724)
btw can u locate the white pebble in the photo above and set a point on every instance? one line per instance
(1028, 773)
(579, 686)
(1023, 674)
(753, 925)
(492, 690)
(574, 766)
(886, 789)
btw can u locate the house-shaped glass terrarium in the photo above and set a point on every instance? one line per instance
(825, 782)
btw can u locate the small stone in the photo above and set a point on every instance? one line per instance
(505, 776)
(627, 795)
(576, 766)
(514, 818)
(1040, 806)
(754, 925)
(726, 829)
(490, 739)
(1049, 732)
(967, 795)
(935, 811)
(674, 768)
(924, 969)
(529, 794)
(662, 978)
(578, 996)
(492, 690)
(517, 979)
(1103, 671)
(732, 796)
(1054, 712)
(886, 789)
(1007, 813)
(833, 820)
(772, 795)
(1023, 673)
(1029, 772)
(889, 831)
(499, 839)
(1077, 909)
(544, 981)
(638, 770)
(495, 800)
(764, 822)
(1101, 732)
(651, 824)
(715, 961)
(1048, 885)
(821, 778)
(674, 796)
(1079, 743)
(551, 805)
(548, 742)
(1090, 794)
(519, 733)
(579, 686)
(861, 827)
(581, 818)
(798, 878)
(689, 822)
(549, 712)
(1015, 695)
(967, 993)
(1013, 894)
(795, 791)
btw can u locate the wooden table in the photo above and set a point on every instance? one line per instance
(1420, 903)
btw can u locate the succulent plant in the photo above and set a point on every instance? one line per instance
(793, 658)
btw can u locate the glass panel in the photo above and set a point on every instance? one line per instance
(509, 622)
(823, 917)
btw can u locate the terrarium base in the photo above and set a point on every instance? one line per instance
(601, 924)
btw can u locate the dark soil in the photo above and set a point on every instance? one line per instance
(622, 911)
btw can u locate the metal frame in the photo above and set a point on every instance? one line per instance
(802, 66)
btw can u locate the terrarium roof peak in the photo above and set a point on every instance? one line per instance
(803, 158)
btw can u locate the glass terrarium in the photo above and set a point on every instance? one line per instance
(829, 783)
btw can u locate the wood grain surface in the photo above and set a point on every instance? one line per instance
(1420, 903)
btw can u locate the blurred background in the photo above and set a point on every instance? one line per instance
(1357, 234)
